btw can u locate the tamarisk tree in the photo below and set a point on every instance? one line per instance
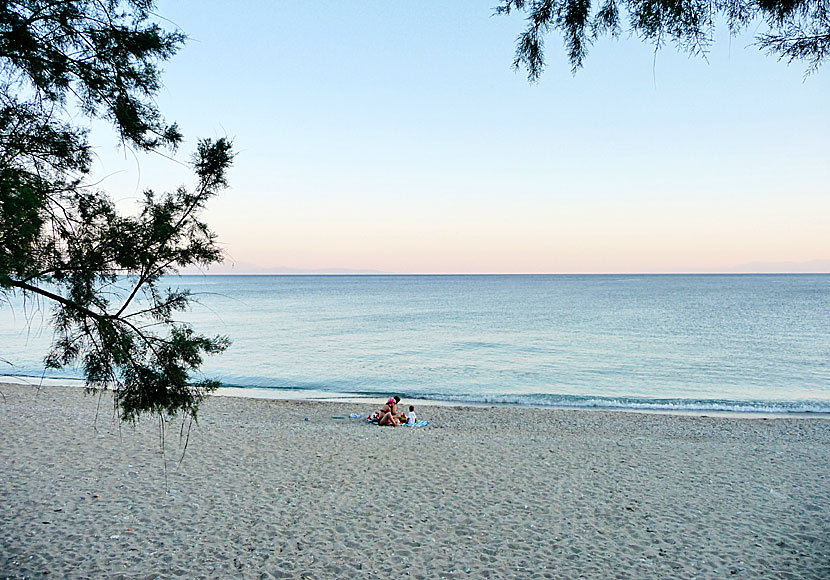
(792, 30)
(62, 239)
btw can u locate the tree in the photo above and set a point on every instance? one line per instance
(62, 239)
(795, 29)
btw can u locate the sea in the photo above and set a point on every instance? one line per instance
(698, 343)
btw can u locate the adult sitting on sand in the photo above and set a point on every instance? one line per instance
(389, 413)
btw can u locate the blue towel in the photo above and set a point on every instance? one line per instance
(416, 424)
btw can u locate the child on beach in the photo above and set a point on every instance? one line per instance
(411, 418)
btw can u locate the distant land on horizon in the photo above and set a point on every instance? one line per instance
(245, 268)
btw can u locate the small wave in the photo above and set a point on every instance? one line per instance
(622, 403)
(477, 345)
(573, 401)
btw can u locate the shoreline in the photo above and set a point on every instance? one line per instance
(284, 489)
(310, 395)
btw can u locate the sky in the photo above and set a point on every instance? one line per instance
(396, 137)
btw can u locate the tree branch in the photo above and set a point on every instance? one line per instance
(58, 298)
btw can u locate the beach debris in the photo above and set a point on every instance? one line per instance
(306, 419)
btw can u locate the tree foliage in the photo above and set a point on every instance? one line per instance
(795, 30)
(62, 238)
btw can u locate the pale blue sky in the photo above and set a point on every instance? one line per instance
(396, 137)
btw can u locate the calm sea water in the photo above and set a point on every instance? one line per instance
(696, 342)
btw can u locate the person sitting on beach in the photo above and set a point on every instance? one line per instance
(389, 413)
(389, 407)
(411, 419)
(392, 405)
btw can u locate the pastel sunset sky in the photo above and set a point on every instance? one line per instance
(394, 136)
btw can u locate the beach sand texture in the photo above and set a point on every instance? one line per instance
(479, 493)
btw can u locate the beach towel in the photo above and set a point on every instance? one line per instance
(415, 424)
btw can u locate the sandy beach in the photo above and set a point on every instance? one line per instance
(479, 493)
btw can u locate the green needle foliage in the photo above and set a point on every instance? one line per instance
(794, 30)
(61, 238)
